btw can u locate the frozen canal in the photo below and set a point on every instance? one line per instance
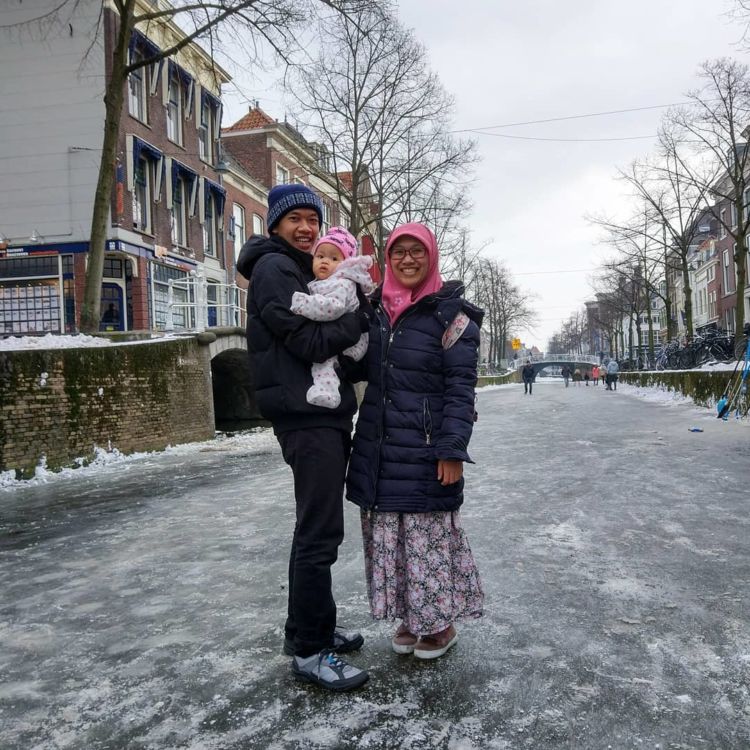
(142, 605)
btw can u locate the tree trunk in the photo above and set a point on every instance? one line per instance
(667, 295)
(113, 100)
(688, 295)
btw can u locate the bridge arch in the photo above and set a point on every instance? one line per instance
(232, 383)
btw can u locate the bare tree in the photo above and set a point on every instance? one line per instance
(253, 23)
(507, 309)
(371, 98)
(716, 121)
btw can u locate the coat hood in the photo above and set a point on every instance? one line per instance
(357, 269)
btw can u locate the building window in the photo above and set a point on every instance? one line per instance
(137, 90)
(205, 132)
(178, 214)
(282, 175)
(238, 226)
(142, 192)
(722, 223)
(258, 224)
(726, 270)
(211, 226)
(174, 110)
(326, 223)
(182, 313)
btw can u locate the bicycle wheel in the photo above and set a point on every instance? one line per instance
(673, 360)
(686, 359)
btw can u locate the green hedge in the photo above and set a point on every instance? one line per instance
(704, 387)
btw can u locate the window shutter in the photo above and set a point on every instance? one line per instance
(201, 200)
(168, 170)
(130, 166)
(197, 100)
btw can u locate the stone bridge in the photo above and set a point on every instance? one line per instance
(573, 361)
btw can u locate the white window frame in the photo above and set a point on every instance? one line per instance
(178, 213)
(137, 91)
(259, 224)
(211, 230)
(238, 225)
(174, 109)
(282, 175)
(725, 270)
(143, 196)
(722, 223)
(325, 225)
(205, 132)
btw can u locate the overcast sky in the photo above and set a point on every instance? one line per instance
(508, 62)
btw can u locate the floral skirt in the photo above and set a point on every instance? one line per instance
(419, 568)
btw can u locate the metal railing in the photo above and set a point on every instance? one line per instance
(208, 305)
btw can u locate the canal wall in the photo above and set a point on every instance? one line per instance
(60, 405)
(703, 386)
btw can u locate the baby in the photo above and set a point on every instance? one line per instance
(338, 270)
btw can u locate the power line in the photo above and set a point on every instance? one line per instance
(569, 117)
(540, 273)
(562, 140)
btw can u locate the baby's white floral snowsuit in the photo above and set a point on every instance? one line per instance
(329, 299)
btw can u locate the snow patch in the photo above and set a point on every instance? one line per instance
(257, 441)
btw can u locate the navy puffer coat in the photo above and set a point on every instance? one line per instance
(418, 407)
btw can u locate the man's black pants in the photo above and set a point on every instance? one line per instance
(318, 458)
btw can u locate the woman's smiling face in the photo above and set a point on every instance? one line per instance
(409, 261)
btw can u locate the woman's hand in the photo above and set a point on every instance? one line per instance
(449, 472)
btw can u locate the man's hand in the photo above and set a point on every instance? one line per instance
(449, 472)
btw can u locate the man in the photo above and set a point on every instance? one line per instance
(315, 440)
(612, 372)
(528, 375)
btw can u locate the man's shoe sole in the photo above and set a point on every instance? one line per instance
(354, 645)
(339, 687)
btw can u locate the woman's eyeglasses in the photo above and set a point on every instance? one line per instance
(417, 252)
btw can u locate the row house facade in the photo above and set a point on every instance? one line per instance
(184, 198)
(168, 204)
(259, 149)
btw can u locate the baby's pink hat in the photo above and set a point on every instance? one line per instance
(340, 238)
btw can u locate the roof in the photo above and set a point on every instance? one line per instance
(346, 179)
(254, 119)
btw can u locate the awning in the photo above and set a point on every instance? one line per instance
(141, 148)
(139, 41)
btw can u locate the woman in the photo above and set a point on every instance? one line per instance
(414, 426)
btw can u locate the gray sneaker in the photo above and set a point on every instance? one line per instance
(344, 642)
(329, 671)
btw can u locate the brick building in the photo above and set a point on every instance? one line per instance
(168, 204)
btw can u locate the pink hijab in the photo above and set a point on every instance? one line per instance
(396, 297)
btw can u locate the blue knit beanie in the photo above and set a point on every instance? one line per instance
(284, 198)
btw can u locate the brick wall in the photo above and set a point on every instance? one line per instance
(135, 397)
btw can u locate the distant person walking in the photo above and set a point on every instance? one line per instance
(577, 376)
(595, 374)
(565, 372)
(613, 370)
(528, 375)
(587, 377)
